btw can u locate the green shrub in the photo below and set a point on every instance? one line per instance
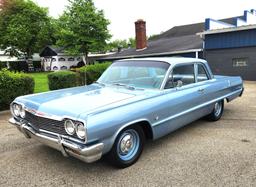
(37, 65)
(18, 66)
(3, 65)
(90, 73)
(62, 79)
(13, 85)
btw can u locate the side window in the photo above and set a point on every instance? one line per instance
(181, 75)
(201, 75)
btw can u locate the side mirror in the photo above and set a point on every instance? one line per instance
(179, 84)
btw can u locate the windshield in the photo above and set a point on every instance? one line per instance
(142, 74)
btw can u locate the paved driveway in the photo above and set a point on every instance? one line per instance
(201, 154)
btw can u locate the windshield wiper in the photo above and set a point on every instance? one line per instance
(118, 84)
(102, 84)
(124, 85)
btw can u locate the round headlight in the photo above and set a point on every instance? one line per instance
(16, 109)
(22, 112)
(80, 130)
(69, 127)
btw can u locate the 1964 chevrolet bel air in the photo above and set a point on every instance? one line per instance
(133, 100)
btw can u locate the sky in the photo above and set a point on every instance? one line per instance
(160, 15)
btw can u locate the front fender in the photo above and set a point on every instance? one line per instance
(109, 134)
(109, 141)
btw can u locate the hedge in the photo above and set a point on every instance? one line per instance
(13, 85)
(62, 79)
(3, 65)
(37, 65)
(91, 73)
(18, 66)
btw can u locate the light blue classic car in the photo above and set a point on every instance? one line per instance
(134, 100)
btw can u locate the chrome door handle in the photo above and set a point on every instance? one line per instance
(201, 90)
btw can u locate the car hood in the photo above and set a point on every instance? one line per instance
(74, 101)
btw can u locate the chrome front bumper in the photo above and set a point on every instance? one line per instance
(85, 153)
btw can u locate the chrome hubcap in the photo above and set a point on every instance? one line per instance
(126, 144)
(217, 109)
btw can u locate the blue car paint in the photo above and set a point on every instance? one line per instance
(109, 109)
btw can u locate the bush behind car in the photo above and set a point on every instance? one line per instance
(62, 79)
(3, 65)
(90, 73)
(13, 85)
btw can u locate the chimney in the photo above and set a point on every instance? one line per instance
(141, 37)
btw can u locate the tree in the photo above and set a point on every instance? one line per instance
(132, 42)
(24, 27)
(117, 44)
(83, 28)
(153, 37)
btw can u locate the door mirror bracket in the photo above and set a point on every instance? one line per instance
(179, 84)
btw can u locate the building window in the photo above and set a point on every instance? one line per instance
(62, 59)
(240, 62)
(64, 68)
(53, 59)
(71, 59)
(78, 59)
(55, 68)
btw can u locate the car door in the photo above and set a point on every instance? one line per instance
(205, 87)
(182, 99)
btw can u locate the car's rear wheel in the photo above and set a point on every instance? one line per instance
(217, 111)
(128, 147)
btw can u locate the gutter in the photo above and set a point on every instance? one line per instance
(232, 29)
(153, 54)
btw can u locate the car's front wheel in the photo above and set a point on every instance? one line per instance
(128, 147)
(217, 111)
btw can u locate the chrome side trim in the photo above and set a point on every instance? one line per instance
(85, 153)
(195, 108)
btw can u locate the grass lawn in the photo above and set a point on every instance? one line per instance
(41, 82)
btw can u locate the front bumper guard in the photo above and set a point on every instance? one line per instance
(85, 153)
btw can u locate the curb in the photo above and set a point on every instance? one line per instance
(5, 112)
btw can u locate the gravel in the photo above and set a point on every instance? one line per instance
(203, 153)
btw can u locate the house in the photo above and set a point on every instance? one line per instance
(230, 48)
(54, 59)
(4, 57)
(180, 40)
(229, 45)
(19, 63)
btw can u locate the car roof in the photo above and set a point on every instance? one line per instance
(170, 60)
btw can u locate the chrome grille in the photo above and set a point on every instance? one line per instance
(46, 124)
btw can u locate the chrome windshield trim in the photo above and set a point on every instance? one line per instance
(166, 77)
